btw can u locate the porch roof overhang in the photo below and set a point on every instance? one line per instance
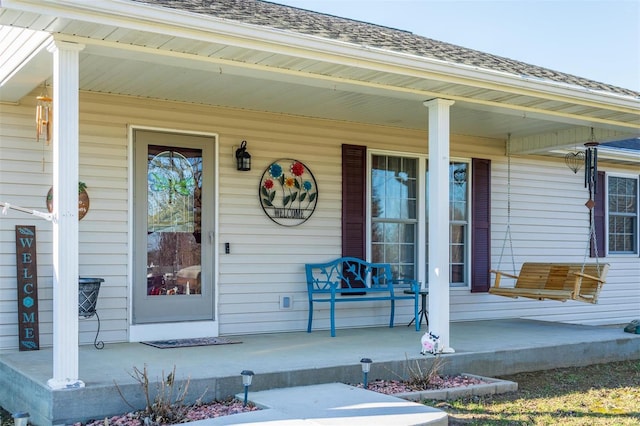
(142, 50)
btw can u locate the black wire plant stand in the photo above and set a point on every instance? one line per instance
(88, 289)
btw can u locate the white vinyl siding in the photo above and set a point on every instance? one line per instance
(266, 261)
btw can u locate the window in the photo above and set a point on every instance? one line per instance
(394, 216)
(394, 213)
(622, 205)
(458, 223)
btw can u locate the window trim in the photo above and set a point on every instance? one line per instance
(635, 177)
(421, 205)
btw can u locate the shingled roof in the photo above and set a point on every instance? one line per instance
(302, 21)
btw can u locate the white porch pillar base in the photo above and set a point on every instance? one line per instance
(438, 272)
(65, 384)
(65, 214)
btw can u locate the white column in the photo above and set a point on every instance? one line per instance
(65, 214)
(438, 209)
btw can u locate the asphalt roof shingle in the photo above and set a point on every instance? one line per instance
(302, 21)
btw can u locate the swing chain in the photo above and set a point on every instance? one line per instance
(592, 240)
(507, 235)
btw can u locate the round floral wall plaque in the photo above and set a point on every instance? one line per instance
(83, 200)
(288, 192)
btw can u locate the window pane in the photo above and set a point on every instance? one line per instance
(457, 274)
(407, 253)
(457, 234)
(377, 252)
(391, 253)
(405, 272)
(379, 162)
(408, 233)
(377, 232)
(457, 254)
(391, 232)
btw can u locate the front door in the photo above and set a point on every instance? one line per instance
(173, 227)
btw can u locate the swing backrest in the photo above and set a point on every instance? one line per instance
(557, 279)
(562, 276)
(532, 275)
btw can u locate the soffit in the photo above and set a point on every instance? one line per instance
(218, 69)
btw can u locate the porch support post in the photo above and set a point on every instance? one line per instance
(438, 209)
(65, 214)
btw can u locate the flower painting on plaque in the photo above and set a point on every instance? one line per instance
(288, 192)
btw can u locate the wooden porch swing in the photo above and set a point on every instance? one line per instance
(555, 281)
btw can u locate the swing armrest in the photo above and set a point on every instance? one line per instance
(496, 283)
(499, 273)
(578, 283)
(590, 277)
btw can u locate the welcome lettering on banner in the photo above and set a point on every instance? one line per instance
(27, 274)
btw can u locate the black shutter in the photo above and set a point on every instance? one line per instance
(354, 220)
(480, 225)
(599, 217)
(354, 164)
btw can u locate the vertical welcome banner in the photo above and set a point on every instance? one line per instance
(27, 273)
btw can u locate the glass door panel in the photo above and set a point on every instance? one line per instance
(174, 229)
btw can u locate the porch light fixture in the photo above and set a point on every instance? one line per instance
(243, 158)
(247, 378)
(44, 116)
(366, 367)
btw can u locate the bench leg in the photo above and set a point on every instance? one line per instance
(393, 311)
(310, 316)
(416, 314)
(333, 318)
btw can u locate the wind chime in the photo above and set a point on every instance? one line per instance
(591, 183)
(591, 166)
(44, 116)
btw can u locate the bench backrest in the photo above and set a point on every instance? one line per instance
(348, 274)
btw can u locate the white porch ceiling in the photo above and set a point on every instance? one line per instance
(218, 68)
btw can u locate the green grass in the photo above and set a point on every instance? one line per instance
(603, 394)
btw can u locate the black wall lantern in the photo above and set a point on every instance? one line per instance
(243, 158)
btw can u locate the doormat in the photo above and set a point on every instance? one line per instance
(185, 343)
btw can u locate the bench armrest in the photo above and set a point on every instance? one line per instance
(406, 282)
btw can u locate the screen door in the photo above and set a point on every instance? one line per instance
(173, 227)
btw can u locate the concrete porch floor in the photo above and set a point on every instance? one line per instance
(488, 348)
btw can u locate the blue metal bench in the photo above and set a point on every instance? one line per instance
(349, 279)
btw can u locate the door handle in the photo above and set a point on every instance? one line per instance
(211, 235)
